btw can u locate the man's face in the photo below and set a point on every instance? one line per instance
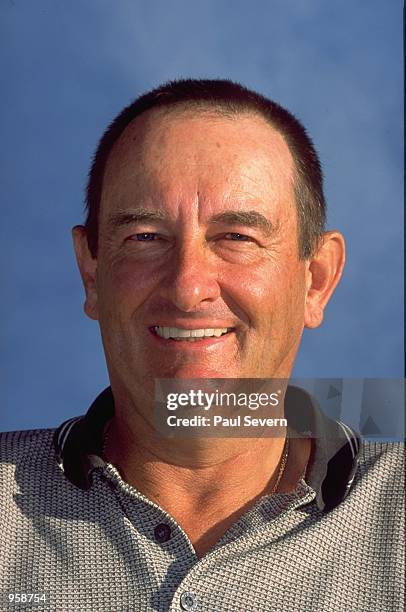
(198, 231)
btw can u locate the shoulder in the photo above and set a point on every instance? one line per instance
(32, 480)
(15, 445)
(387, 458)
(380, 477)
(29, 452)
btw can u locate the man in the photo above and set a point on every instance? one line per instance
(203, 256)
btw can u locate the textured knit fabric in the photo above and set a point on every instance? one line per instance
(105, 547)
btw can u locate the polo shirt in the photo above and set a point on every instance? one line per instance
(75, 533)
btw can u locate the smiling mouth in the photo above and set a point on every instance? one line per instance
(190, 335)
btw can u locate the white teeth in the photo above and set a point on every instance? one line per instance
(196, 333)
(183, 333)
(189, 334)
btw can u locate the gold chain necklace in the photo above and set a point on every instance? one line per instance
(282, 466)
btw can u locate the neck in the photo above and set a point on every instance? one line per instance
(213, 464)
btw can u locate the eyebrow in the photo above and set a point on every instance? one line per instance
(249, 218)
(121, 218)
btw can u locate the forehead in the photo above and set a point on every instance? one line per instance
(168, 153)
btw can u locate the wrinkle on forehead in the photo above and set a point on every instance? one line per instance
(198, 155)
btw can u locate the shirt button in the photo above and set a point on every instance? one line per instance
(188, 601)
(162, 533)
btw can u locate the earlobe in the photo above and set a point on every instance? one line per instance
(88, 268)
(323, 275)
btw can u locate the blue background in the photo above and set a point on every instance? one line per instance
(67, 67)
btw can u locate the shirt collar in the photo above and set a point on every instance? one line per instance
(330, 472)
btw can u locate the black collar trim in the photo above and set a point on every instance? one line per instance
(330, 472)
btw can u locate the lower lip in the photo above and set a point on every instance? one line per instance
(201, 343)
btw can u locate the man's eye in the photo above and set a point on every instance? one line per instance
(144, 237)
(237, 237)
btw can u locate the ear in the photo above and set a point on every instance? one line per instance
(323, 275)
(88, 268)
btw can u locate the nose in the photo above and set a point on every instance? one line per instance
(193, 278)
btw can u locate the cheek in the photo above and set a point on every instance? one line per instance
(254, 294)
(123, 286)
(269, 294)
